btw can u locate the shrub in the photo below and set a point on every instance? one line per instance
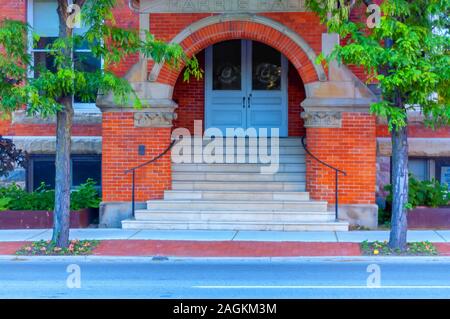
(15, 198)
(424, 193)
(86, 196)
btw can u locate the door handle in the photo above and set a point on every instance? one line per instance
(243, 102)
(249, 101)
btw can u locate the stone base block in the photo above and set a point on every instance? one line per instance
(112, 213)
(359, 214)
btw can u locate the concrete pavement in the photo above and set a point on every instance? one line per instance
(225, 278)
(435, 236)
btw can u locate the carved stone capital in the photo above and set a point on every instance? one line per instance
(157, 118)
(318, 119)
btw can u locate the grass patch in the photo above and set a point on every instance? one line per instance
(48, 248)
(423, 248)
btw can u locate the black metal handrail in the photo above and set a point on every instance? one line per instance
(336, 170)
(134, 169)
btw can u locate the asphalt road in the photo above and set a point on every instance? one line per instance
(261, 278)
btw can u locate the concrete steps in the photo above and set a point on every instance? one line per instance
(234, 216)
(235, 196)
(233, 186)
(237, 177)
(261, 226)
(238, 168)
(234, 205)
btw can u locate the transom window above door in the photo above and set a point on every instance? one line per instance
(43, 17)
(246, 86)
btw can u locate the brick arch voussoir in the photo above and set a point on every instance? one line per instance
(232, 30)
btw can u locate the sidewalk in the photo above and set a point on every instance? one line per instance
(192, 243)
(435, 236)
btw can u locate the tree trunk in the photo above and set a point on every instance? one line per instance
(399, 224)
(61, 220)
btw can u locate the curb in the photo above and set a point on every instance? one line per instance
(169, 259)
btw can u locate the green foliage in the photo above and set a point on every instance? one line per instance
(377, 248)
(41, 199)
(424, 193)
(103, 38)
(49, 248)
(85, 196)
(14, 197)
(407, 53)
(4, 203)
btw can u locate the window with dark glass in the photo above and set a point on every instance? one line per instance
(227, 65)
(41, 169)
(266, 68)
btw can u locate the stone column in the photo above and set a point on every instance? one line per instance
(132, 137)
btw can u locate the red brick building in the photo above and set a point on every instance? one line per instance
(260, 71)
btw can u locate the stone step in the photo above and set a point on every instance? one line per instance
(202, 225)
(282, 150)
(281, 159)
(245, 186)
(234, 205)
(232, 195)
(282, 141)
(238, 177)
(241, 168)
(236, 216)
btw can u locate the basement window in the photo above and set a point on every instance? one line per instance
(41, 169)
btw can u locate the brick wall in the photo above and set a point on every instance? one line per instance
(120, 152)
(351, 148)
(416, 130)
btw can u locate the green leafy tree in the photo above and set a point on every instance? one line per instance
(52, 91)
(405, 50)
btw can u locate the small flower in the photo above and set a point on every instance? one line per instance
(376, 252)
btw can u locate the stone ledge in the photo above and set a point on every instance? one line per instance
(20, 117)
(47, 144)
(428, 147)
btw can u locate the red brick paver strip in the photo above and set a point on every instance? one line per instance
(223, 248)
(10, 248)
(443, 249)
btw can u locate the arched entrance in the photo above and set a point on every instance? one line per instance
(246, 87)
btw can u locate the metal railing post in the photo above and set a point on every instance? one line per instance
(133, 205)
(337, 172)
(133, 171)
(337, 195)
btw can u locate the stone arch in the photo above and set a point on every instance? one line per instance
(214, 29)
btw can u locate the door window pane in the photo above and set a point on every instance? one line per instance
(227, 65)
(266, 68)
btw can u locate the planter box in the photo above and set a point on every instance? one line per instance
(16, 219)
(427, 217)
